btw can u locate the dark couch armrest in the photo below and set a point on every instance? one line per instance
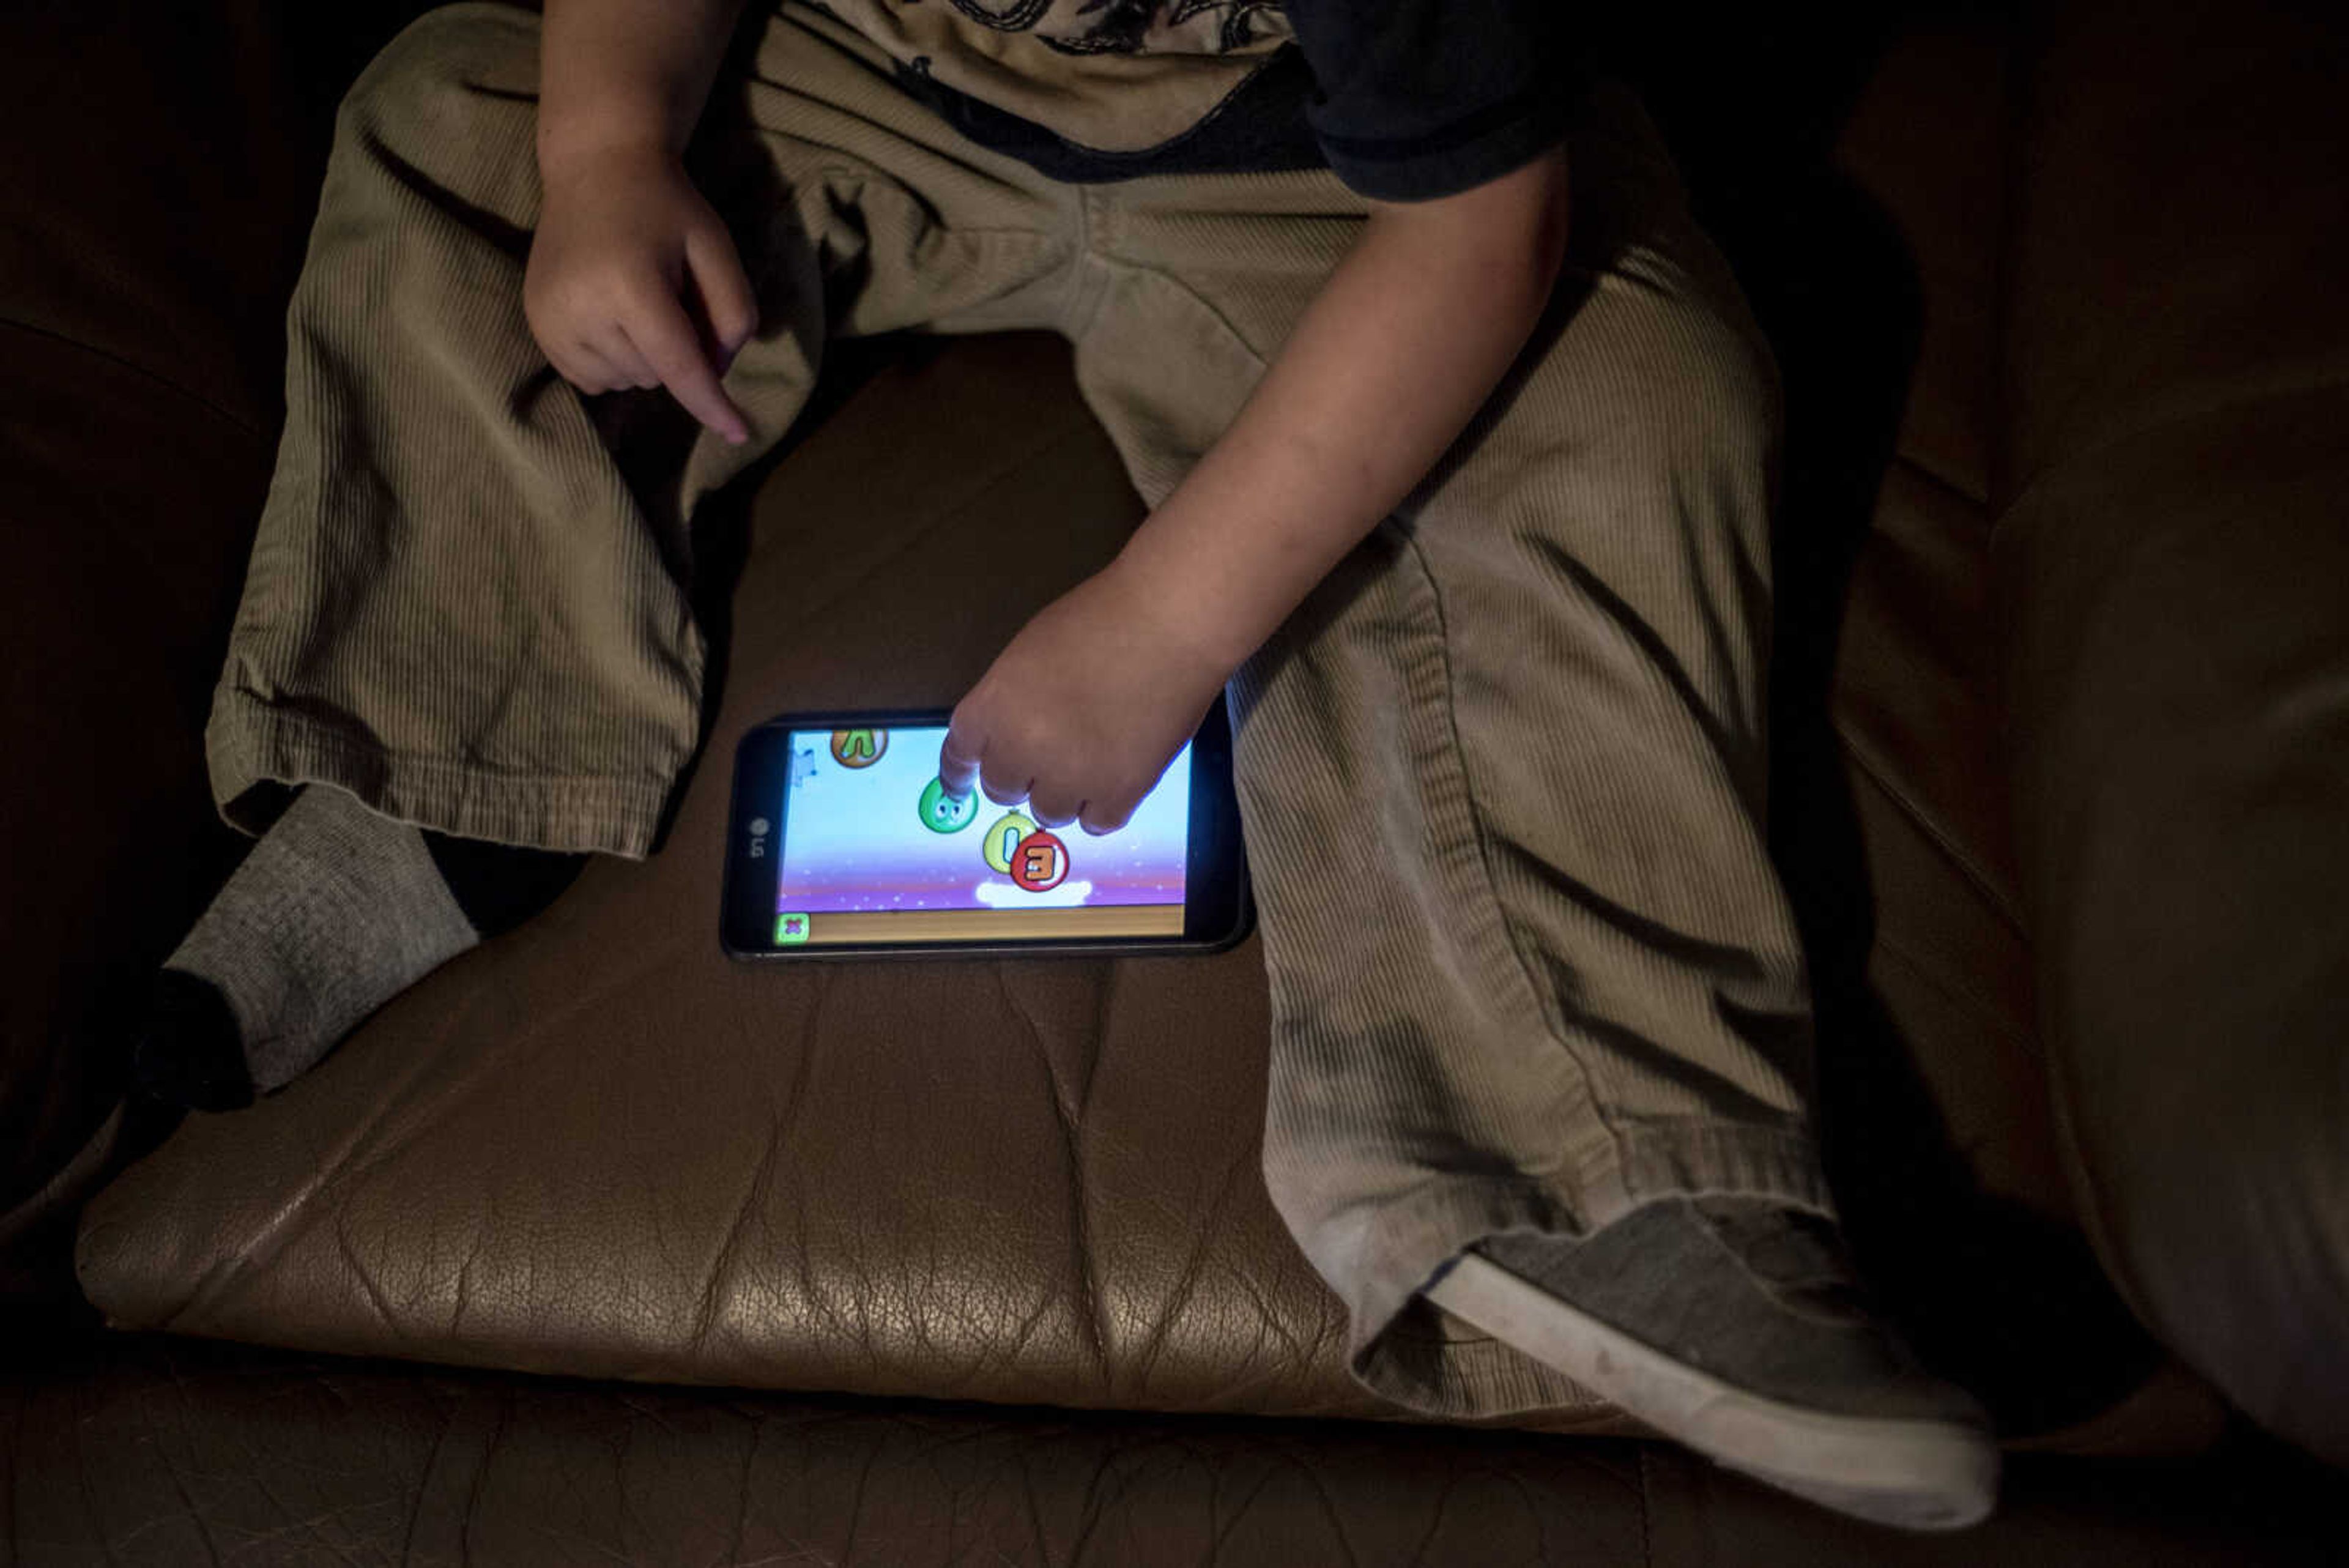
(2174, 581)
(125, 502)
(161, 165)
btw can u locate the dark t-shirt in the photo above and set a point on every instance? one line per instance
(1404, 99)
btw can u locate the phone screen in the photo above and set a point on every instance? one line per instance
(873, 850)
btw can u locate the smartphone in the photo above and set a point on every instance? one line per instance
(843, 843)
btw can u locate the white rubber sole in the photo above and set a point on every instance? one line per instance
(1916, 1475)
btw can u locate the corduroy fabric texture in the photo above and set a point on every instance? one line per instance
(1502, 775)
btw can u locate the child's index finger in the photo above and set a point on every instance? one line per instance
(668, 342)
(958, 763)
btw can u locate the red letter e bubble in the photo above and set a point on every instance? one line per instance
(1040, 862)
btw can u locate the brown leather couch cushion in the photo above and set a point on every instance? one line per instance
(2174, 581)
(171, 1453)
(1928, 139)
(1881, 285)
(1915, 701)
(599, 1147)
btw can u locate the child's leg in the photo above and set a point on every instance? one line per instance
(463, 607)
(1502, 778)
(468, 604)
(1502, 773)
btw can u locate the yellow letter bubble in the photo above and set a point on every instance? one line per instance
(1003, 840)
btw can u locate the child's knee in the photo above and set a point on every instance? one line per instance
(438, 64)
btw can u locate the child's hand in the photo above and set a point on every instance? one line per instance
(627, 253)
(1084, 708)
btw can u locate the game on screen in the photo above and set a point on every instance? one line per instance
(875, 850)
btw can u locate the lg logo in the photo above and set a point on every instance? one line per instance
(759, 826)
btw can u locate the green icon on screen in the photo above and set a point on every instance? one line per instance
(942, 812)
(791, 930)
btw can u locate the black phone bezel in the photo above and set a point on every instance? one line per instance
(1218, 911)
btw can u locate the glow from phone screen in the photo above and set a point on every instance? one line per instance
(875, 850)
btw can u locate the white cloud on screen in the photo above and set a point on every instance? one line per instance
(1003, 896)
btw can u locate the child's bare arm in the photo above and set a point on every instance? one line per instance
(616, 73)
(1404, 343)
(1406, 340)
(633, 279)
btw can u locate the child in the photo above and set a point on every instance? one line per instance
(1458, 481)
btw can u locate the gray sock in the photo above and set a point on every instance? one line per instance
(334, 912)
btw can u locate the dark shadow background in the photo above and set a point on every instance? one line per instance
(2013, 1307)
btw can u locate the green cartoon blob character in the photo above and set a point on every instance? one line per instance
(942, 812)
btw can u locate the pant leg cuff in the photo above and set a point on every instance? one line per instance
(249, 744)
(1405, 1349)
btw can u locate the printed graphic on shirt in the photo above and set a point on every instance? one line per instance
(1110, 75)
(1123, 26)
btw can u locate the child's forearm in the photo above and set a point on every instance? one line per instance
(626, 74)
(1406, 340)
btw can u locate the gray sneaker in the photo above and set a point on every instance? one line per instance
(1736, 1325)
